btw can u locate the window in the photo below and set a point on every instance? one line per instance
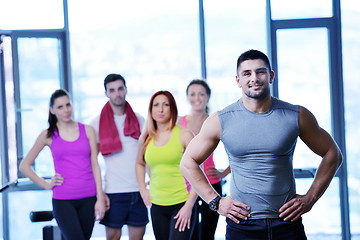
(155, 47)
(39, 76)
(351, 53)
(34, 14)
(303, 78)
(281, 9)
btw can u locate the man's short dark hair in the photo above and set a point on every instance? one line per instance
(253, 55)
(112, 77)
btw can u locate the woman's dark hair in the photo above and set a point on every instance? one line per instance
(52, 120)
(202, 83)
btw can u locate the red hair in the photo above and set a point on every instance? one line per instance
(151, 123)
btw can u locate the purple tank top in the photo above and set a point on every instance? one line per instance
(72, 160)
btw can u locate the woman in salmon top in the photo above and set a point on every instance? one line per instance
(198, 94)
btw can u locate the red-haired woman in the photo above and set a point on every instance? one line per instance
(161, 147)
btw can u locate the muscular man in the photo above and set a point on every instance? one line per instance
(259, 133)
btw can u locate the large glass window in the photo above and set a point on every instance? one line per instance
(303, 78)
(34, 14)
(153, 44)
(10, 108)
(32, 73)
(39, 76)
(227, 36)
(281, 9)
(351, 53)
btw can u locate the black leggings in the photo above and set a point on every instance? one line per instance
(163, 222)
(75, 218)
(206, 227)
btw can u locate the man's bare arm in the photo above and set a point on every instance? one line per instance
(321, 143)
(196, 153)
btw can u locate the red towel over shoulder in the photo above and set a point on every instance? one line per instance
(110, 141)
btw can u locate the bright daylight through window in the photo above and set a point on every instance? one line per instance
(156, 45)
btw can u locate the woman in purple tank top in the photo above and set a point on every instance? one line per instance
(78, 199)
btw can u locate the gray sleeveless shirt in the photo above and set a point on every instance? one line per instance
(260, 148)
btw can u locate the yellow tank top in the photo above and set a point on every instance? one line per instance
(167, 184)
